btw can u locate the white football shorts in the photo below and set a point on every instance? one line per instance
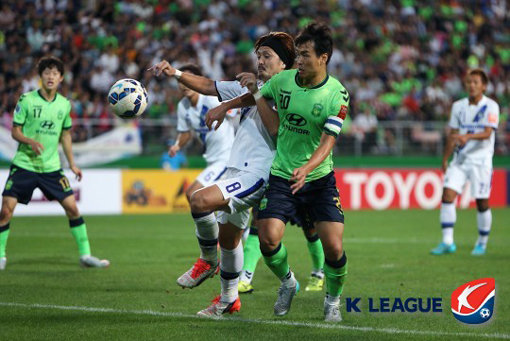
(211, 174)
(479, 176)
(244, 189)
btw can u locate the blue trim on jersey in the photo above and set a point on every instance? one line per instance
(252, 189)
(338, 124)
(480, 113)
(222, 172)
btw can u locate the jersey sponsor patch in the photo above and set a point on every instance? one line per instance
(493, 118)
(343, 112)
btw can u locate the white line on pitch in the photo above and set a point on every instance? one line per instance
(273, 322)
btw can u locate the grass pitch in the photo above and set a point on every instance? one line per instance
(45, 295)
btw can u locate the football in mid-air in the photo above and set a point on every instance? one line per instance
(128, 98)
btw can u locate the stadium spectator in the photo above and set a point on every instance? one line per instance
(386, 48)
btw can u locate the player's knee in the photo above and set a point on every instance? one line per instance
(268, 244)
(482, 205)
(5, 214)
(447, 197)
(333, 251)
(199, 203)
(72, 212)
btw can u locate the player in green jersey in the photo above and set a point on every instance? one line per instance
(311, 108)
(42, 120)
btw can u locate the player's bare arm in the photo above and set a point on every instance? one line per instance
(267, 114)
(299, 174)
(17, 134)
(200, 84)
(182, 139)
(462, 139)
(448, 148)
(67, 143)
(220, 112)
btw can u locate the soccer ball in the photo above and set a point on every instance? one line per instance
(128, 98)
(485, 313)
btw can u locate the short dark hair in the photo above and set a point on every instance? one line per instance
(481, 73)
(287, 44)
(50, 62)
(191, 68)
(320, 35)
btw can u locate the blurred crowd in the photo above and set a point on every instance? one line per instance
(401, 60)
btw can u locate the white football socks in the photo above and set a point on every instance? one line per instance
(448, 217)
(231, 264)
(207, 234)
(484, 220)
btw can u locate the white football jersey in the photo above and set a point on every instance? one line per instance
(472, 119)
(253, 149)
(217, 143)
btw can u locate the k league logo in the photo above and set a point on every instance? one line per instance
(473, 302)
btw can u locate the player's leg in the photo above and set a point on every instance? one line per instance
(481, 178)
(484, 222)
(454, 180)
(203, 204)
(18, 188)
(335, 266)
(231, 262)
(206, 227)
(79, 233)
(8, 205)
(246, 192)
(316, 252)
(324, 208)
(252, 255)
(277, 205)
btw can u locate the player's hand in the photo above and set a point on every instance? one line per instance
(248, 80)
(299, 177)
(77, 172)
(461, 140)
(216, 114)
(172, 151)
(162, 67)
(444, 165)
(36, 147)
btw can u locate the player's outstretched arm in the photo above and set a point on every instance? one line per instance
(67, 145)
(17, 134)
(299, 175)
(267, 114)
(200, 84)
(181, 140)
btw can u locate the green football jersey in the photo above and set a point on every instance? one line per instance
(42, 121)
(305, 113)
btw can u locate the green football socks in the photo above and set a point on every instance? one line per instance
(79, 232)
(335, 273)
(251, 251)
(4, 234)
(276, 260)
(316, 252)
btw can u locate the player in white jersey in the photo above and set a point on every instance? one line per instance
(473, 122)
(244, 182)
(191, 112)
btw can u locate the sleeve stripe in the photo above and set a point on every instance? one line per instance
(332, 128)
(338, 122)
(331, 133)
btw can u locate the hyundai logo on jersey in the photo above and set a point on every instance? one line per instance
(296, 120)
(473, 302)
